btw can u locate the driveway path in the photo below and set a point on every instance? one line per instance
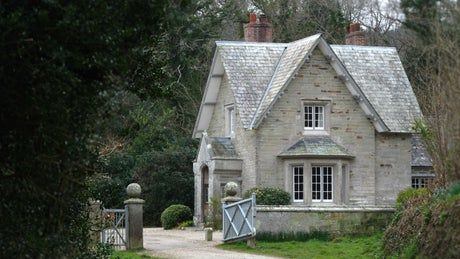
(188, 244)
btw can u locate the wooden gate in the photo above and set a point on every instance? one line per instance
(239, 219)
(115, 222)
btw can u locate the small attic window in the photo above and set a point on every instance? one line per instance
(314, 117)
(230, 120)
(315, 114)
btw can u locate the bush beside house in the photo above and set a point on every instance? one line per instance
(424, 222)
(269, 196)
(175, 215)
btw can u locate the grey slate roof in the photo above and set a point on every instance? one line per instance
(259, 72)
(316, 146)
(249, 67)
(381, 77)
(222, 147)
(420, 156)
(293, 57)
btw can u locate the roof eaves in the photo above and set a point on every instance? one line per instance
(202, 105)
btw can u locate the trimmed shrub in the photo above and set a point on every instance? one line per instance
(175, 214)
(269, 196)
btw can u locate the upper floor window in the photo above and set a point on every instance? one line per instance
(230, 120)
(314, 117)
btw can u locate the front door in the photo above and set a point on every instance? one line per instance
(204, 191)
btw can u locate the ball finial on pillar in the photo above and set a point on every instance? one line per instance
(231, 189)
(133, 190)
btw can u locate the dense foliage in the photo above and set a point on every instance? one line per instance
(296, 19)
(424, 222)
(98, 90)
(54, 61)
(269, 196)
(432, 64)
(175, 214)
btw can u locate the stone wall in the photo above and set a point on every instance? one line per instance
(224, 97)
(334, 220)
(392, 167)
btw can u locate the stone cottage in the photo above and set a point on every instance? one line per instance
(330, 124)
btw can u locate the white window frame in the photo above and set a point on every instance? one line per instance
(317, 118)
(230, 120)
(301, 183)
(420, 181)
(322, 184)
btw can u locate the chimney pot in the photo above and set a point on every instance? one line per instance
(355, 36)
(252, 18)
(258, 31)
(355, 27)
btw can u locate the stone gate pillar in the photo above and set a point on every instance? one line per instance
(135, 209)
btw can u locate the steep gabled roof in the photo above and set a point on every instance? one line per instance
(292, 59)
(381, 77)
(249, 67)
(259, 72)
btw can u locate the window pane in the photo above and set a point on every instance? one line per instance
(297, 173)
(420, 181)
(327, 183)
(316, 184)
(309, 116)
(319, 117)
(232, 121)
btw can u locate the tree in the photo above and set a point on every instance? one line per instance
(54, 60)
(296, 19)
(433, 67)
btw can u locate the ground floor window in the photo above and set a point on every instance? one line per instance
(297, 174)
(420, 181)
(321, 183)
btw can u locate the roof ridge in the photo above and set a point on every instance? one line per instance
(364, 47)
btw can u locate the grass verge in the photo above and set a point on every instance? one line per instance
(131, 255)
(343, 247)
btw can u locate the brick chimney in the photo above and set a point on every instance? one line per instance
(258, 30)
(355, 36)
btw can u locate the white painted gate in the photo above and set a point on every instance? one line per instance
(239, 219)
(114, 232)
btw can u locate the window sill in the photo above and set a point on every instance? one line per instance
(315, 132)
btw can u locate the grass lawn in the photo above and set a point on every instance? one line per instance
(130, 255)
(343, 247)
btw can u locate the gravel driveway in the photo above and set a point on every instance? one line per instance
(188, 244)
